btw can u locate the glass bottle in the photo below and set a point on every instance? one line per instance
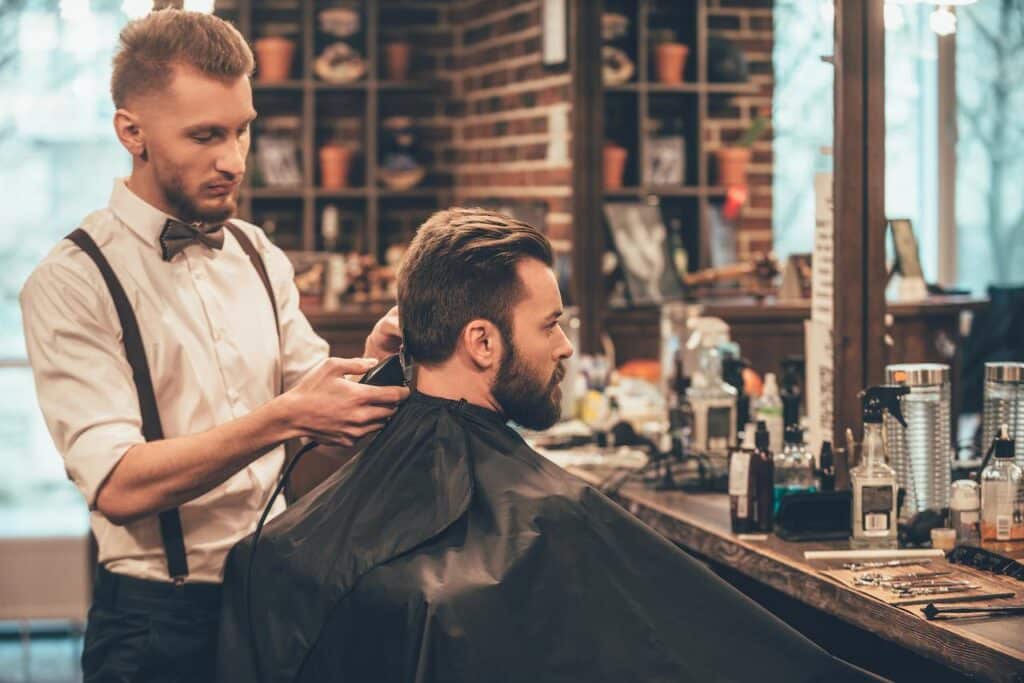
(1001, 505)
(873, 481)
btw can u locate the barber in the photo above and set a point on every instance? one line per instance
(171, 359)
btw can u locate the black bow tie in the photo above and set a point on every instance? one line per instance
(177, 235)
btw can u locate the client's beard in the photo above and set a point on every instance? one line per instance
(526, 399)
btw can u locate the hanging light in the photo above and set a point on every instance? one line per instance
(136, 9)
(200, 5)
(943, 21)
(893, 16)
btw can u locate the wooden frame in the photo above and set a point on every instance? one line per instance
(859, 298)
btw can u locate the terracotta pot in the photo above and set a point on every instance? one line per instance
(335, 162)
(670, 61)
(397, 57)
(274, 59)
(614, 165)
(732, 166)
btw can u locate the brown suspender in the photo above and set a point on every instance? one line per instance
(152, 430)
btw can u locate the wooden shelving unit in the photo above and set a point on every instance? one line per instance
(316, 103)
(629, 107)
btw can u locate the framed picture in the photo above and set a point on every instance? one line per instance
(908, 259)
(642, 243)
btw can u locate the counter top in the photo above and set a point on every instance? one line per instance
(990, 648)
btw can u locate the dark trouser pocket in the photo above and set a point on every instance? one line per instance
(173, 645)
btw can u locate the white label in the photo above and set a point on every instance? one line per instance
(741, 507)
(876, 522)
(1003, 527)
(739, 472)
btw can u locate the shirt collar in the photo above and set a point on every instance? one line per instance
(141, 217)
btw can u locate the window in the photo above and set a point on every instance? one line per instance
(990, 148)
(58, 156)
(989, 160)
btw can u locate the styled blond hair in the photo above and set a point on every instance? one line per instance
(151, 46)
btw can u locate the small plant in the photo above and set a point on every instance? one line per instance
(755, 131)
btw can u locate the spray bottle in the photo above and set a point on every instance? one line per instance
(873, 481)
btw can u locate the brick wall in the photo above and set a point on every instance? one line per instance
(498, 127)
(512, 135)
(748, 24)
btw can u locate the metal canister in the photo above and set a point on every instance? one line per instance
(922, 453)
(1004, 404)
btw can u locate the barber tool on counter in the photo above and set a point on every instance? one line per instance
(873, 481)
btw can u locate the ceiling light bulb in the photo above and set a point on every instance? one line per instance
(943, 21)
(893, 16)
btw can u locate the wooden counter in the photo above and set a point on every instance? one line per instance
(990, 648)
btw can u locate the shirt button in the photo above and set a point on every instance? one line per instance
(216, 334)
(232, 394)
(197, 274)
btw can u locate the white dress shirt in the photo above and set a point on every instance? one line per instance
(208, 331)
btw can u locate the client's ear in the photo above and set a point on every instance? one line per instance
(482, 342)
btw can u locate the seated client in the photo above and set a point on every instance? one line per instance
(450, 551)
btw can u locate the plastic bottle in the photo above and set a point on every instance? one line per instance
(768, 409)
(1001, 504)
(873, 481)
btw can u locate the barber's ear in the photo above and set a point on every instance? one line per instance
(483, 343)
(129, 132)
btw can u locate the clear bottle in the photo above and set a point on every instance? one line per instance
(873, 481)
(1004, 403)
(965, 511)
(1001, 504)
(713, 401)
(768, 408)
(794, 467)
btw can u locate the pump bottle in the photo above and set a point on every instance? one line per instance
(1001, 503)
(873, 481)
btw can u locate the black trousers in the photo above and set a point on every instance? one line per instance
(150, 631)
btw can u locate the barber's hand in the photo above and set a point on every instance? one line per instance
(331, 409)
(386, 338)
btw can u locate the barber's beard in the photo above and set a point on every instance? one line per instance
(531, 401)
(184, 207)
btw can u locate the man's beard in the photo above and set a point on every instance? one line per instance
(526, 399)
(185, 208)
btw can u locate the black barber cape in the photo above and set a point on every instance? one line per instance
(450, 551)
